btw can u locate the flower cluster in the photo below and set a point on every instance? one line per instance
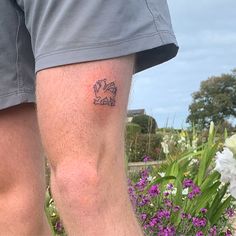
(156, 208)
(195, 190)
(226, 164)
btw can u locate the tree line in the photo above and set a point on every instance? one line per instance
(215, 101)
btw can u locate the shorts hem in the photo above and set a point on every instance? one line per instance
(12, 99)
(105, 51)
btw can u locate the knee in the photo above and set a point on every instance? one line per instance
(77, 182)
(81, 186)
(22, 203)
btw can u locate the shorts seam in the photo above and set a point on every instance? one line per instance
(17, 92)
(104, 44)
(17, 52)
(154, 21)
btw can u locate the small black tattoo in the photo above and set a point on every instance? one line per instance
(105, 93)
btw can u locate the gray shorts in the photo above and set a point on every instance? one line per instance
(40, 34)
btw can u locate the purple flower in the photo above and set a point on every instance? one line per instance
(154, 190)
(147, 158)
(199, 233)
(167, 231)
(146, 226)
(199, 222)
(166, 194)
(144, 174)
(185, 216)
(187, 183)
(196, 190)
(168, 202)
(170, 186)
(143, 216)
(141, 184)
(163, 214)
(131, 190)
(228, 233)
(191, 195)
(176, 208)
(203, 210)
(153, 222)
(189, 216)
(132, 195)
(230, 212)
(129, 181)
(144, 200)
(59, 226)
(213, 231)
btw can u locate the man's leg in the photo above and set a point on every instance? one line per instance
(83, 136)
(22, 184)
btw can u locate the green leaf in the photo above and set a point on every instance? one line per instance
(220, 210)
(163, 179)
(205, 197)
(202, 168)
(174, 169)
(190, 155)
(209, 180)
(178, 198)
(217, 201)
(206, 159)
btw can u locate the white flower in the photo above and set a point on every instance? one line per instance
(150, 178)
(165, 147)
(231, 143)
(185, 191)
(162, 174)
(193, 161)
(226, 166)
(174, 191)
(232, 187)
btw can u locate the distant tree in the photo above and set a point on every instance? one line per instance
(147, 123)
(215, 101)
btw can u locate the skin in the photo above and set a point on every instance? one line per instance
(79, 125)
(84, 142)
(22, 184)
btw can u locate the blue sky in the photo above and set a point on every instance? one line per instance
(206, 34)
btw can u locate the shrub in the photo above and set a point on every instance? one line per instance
(132, 130)
(140, 145)
(147, 123)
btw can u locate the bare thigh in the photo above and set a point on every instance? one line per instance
(22, 184)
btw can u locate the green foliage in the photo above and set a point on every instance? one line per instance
(132, 130)
(140, 145)
(196, 165)
(215, 101)
(53, 217)
(147, 123)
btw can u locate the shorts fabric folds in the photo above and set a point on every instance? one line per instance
(39, 34)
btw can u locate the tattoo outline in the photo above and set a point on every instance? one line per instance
(105, 93)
